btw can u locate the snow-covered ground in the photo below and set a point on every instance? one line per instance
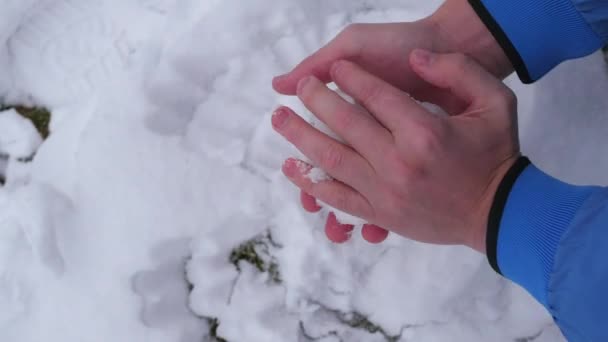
(156, 206)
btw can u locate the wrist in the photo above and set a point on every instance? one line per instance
(458, 28)
(479, 227)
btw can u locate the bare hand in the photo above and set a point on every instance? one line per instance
(427, 177)
(382, 49)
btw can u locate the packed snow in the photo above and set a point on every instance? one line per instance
(156, 209)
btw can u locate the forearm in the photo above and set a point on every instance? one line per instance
(459, 29)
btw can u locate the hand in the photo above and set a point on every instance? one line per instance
(427, 177)
(382, 49)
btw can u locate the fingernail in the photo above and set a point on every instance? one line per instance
(280, 117)
(336, 231)
(309, 203)
(374, 234)
(290, 168)
(303, 82)
(295, 167)
(333, 220)
(422, 57)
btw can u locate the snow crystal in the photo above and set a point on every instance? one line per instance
(317, 175)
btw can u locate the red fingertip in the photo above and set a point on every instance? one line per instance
(337, 232)
(374, 234)
(290, 167)
(309, 203)
(280, 117)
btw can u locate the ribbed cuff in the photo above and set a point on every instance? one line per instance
(537, 35)
(537, 212)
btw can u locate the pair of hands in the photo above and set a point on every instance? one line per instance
(427, 177)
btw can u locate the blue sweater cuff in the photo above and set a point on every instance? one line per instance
(538, 212)
(538, 35)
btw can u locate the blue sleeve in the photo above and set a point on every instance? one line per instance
(552, 239)
(537, 35)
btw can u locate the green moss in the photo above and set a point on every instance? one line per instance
(257, 253)
(246, 252)
(40, 117)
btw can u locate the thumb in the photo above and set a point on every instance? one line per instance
(317, 64)
(460, 75)
(344, 46)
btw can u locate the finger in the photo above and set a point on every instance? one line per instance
(335, 158)
(337, 232)
(374, 234)
(332, 192)
(451, 104)
(351, 123)
(459, 74)
(389, 105)
(318, 65)
(309, 203)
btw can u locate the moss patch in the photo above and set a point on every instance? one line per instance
(247, 252)
(40, 117)
(257, 253)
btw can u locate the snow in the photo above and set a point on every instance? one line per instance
(162, 161)
(317, 175)
(18, 136)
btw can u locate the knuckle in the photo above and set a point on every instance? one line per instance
(332, 158)
(342, 71)
(510, 99)
(371, 94)
(308, 93)
(400, 171)
(345, 119)
(505, 98)
(395, 161)
(428, 139)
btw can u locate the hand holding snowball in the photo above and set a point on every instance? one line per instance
(424, 176)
